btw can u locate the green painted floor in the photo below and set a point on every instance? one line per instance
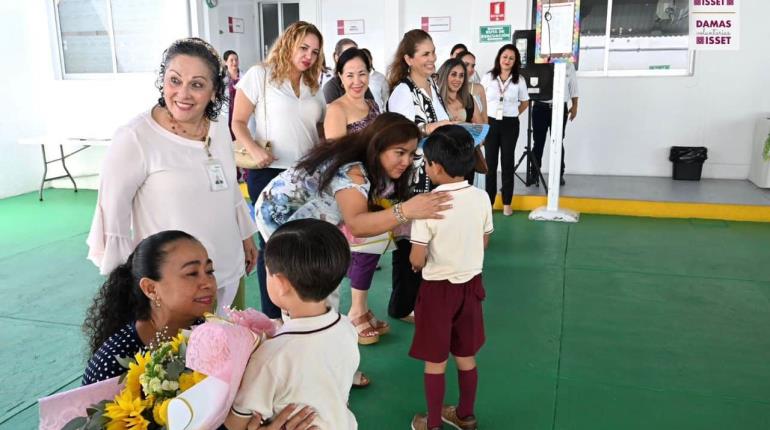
(611, 323)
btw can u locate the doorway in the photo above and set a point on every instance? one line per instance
(274, 17)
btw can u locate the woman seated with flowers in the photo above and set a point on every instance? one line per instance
(166, 285)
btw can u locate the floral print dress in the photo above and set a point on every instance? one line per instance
(294, 194)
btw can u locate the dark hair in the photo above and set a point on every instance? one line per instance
(199, 48)
(312, 254)
(120, 300)
(456, 47)
(516, 65)
(387, 130)
(342, 42)
(463, 94)
(228, 53)
(398, 68)
(350, 54)
(464, 53)
(451, 146)
(368, 55)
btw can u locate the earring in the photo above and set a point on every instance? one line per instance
(156, 302)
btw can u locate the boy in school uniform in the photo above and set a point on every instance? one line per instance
(313, 356)
(450, 253)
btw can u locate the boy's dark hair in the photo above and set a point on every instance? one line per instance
(451, 146)
(312, 254)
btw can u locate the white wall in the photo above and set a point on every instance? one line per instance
(25, 73)
(625, 125)
(246, 44)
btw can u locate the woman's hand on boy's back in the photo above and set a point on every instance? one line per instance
(427, 205)
(302, 420)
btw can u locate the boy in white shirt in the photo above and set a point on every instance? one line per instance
(313, 356)
(450, 253)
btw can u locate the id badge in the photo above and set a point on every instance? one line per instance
(216, 174)
(499, 113)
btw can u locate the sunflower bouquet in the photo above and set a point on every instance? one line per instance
(153, 378)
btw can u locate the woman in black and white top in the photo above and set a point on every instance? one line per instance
(416, 97)
(507, 98)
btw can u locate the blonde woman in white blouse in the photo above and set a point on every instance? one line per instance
(285, 98)
(507, 98)
(172, 168)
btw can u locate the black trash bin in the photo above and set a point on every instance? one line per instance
(688, 162)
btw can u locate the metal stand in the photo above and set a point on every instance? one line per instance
(552, 212)
(63, 157)
(533, 165)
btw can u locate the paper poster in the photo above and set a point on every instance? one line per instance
(714, 25)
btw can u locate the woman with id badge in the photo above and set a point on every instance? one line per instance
(507, 98)
(172, 168)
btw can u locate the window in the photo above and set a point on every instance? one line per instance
(641, 37)
(117, 36)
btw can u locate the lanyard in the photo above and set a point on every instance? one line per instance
(207, 146)
(503, 88)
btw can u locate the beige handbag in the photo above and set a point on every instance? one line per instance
(243, 158)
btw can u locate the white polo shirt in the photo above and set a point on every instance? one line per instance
(310, 361)
(456, 242)
(291, 120)
(513, 94)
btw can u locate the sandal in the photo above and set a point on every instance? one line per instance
(382, 327)
(360, 380)
(367, 334)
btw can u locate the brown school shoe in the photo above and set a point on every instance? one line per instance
(420, 422)
(449, 416)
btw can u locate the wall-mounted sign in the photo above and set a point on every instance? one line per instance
(234, 25)
(433, 24)
(714, 25)
(494, 33)
(497, 11)
(350, 26)
(557, 30)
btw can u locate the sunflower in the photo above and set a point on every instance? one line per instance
(160, 412)
(135, 370)
(125, 413)
(188, 379)
(176, 341)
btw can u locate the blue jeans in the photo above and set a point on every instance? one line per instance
(256, 181)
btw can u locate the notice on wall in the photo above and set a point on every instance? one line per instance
(350, 26)
(433, 24)
(497, 11)
(494, 33)
(557, 31)
(234, 25)
(714, 25)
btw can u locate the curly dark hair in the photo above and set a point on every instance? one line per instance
(196, 47)
(120, 300)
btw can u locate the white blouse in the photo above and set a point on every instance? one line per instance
(153, 180)
(289, 122)
(513, 94)
(402, 101)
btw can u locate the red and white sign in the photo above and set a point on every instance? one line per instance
(433, 24)
(350, 26)
(497, 11)
(234, 25)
